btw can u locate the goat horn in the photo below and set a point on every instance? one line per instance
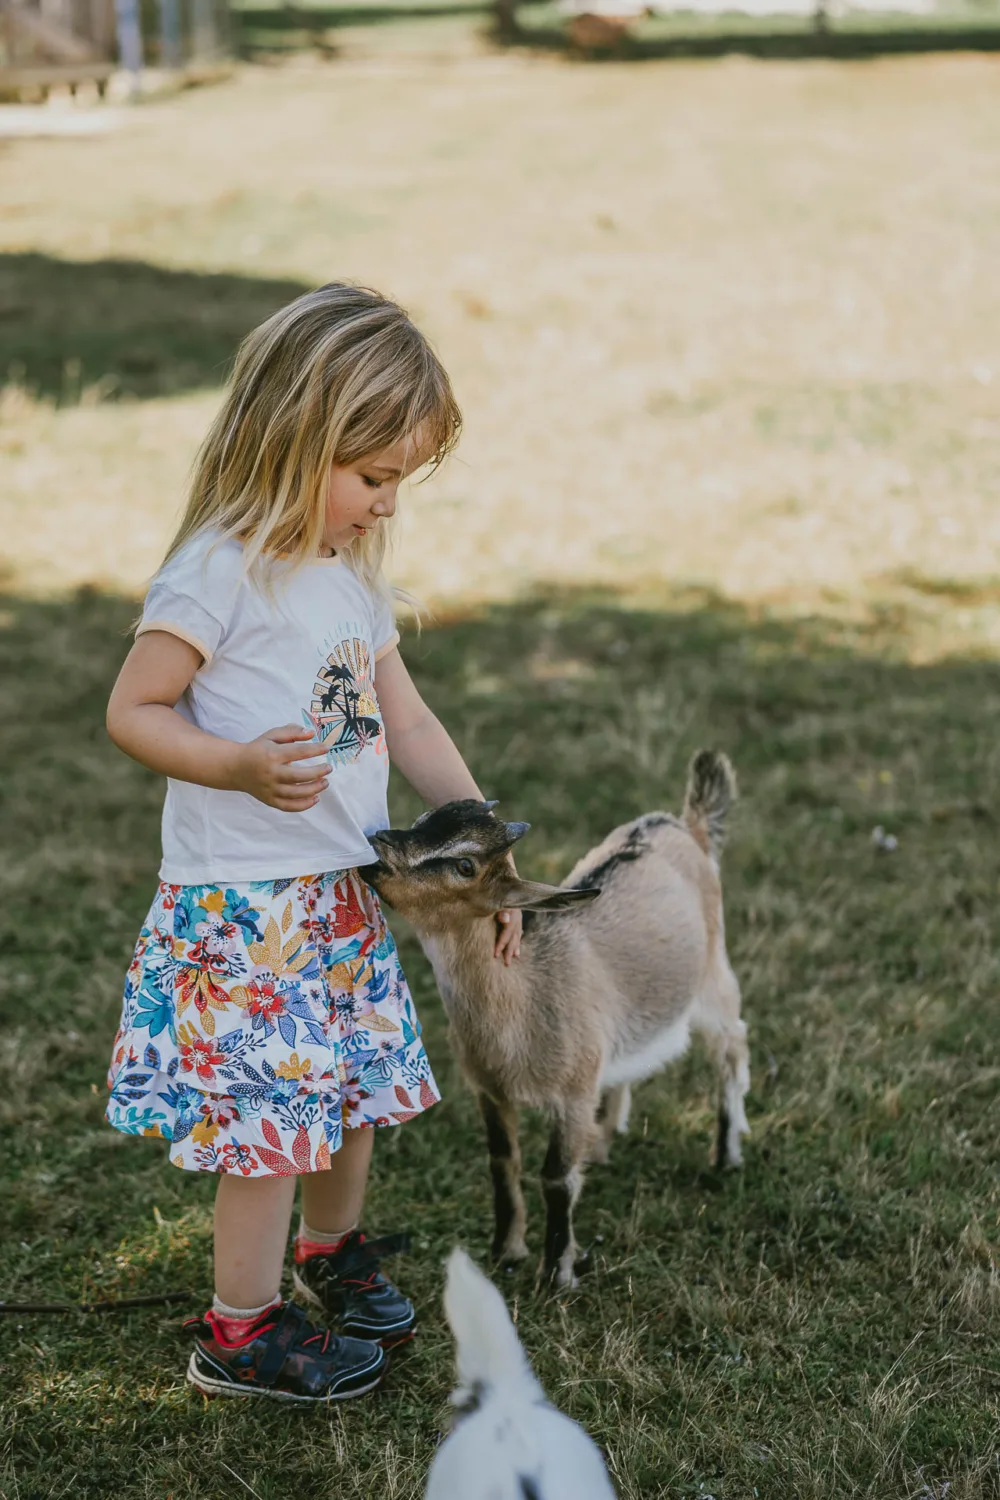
(516, 831)
(489, 806)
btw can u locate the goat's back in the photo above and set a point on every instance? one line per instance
(640, 957)
(660, 892)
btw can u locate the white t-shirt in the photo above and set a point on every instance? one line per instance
(306, 655)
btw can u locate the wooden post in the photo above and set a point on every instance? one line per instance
(8, 32)
(102, 26)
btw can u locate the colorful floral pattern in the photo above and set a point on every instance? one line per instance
(260, 1021)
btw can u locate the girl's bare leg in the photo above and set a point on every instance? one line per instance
(252, 1215)
(332, 1201)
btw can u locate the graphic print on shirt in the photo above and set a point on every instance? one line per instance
(344, 711)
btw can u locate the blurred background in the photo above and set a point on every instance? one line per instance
(718, 291)
(726, 322)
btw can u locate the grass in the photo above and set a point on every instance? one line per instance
(726, 335)
(823, 1325)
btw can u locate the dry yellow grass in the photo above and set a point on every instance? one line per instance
(730, 323)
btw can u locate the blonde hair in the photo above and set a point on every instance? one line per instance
(338, 375)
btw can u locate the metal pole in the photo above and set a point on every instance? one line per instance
(170, 34)
(129, 39)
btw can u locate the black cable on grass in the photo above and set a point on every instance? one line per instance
(111, 1304)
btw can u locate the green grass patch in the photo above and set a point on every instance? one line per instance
(821, 1326)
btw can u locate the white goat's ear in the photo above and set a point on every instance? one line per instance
(532, 895)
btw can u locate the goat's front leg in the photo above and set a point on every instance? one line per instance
(570, 1144)
(505, 1169)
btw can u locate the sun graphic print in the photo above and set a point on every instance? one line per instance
(344, 711)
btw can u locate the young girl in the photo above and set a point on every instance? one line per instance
(267, 1026)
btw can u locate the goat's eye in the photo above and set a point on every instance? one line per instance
(465, 867)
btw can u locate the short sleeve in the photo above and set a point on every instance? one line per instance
(384, 633)
(193, 596)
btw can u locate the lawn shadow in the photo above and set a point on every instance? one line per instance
(844, 44)
(124, 327)
(868, 981)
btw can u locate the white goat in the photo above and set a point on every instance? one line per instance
(509, 1444)
(599, 998)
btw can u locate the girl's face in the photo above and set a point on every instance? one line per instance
(362, 495)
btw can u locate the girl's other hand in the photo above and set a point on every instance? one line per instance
(508, 946)
(275, 768)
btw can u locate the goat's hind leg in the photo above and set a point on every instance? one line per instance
(570, 1145)
(505, 1169)
(612, 1120)
(726, 1033)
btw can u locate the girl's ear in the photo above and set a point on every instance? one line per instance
(532, 895)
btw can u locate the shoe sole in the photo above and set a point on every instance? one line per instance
(209, 1387)
(353, 1331)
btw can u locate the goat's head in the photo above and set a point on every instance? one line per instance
(455, 862)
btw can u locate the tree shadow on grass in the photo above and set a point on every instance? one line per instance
(126, 327)
(868, 982)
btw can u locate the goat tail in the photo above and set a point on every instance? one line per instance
(711, 791)
(488, 1353)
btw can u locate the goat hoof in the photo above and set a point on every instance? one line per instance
(510, 1255)
(727, 1161)
(565, 1276)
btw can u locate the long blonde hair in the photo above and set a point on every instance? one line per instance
(339, 374)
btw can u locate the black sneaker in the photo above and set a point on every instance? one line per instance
(351, 1290)
(289, 1359)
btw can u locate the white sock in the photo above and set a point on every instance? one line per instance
(243, 1314)
(322, 1236)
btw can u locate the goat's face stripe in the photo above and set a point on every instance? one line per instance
(450, 851)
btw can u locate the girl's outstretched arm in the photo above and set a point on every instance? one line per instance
(143, 721)
(430, 760)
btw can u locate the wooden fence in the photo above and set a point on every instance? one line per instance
(50, 43)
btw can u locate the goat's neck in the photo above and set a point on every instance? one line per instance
(469, 976)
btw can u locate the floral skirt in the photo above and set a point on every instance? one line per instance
(261, 1020)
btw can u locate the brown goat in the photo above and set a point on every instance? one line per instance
(601, 997)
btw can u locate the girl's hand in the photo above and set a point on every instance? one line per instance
(275, 768)
(508, 946)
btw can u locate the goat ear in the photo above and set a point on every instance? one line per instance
(532, 895)
(562, 900)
